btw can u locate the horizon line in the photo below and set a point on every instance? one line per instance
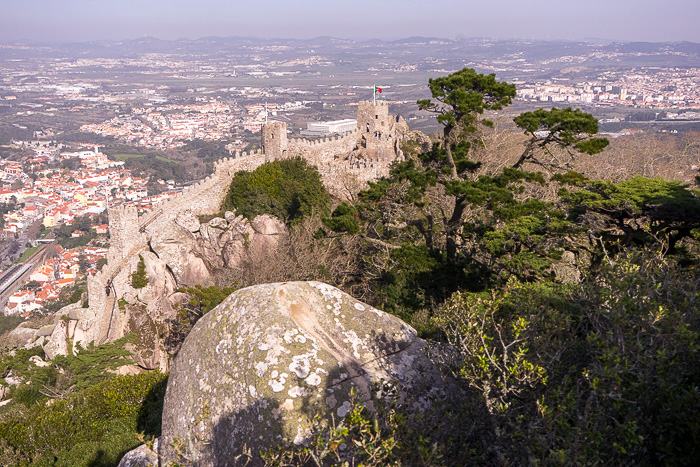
(493, 39)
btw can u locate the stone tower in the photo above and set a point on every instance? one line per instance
(373, 117)
(124, 232)
(274, 140)
(377, 129)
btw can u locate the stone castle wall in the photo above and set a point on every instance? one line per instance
(359, 155)
(345, 163)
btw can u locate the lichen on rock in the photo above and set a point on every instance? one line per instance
(143, 456)
(269, 360)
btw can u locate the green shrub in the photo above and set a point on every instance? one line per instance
(345, 218)
(96, 426)
(602, 372)
(288, 189)
(139, 279)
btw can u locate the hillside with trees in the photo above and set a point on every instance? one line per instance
(563, 298)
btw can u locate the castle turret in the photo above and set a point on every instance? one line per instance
(373, 117)
(123, 230)
(274, 140)
(377, 129)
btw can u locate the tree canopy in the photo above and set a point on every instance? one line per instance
(567, 128)
(289, 189)
(460, 98)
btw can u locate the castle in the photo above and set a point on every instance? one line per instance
(345, 164)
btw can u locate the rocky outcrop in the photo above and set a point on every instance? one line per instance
(161, 282)
(174, 245)
(193, 250)
(566, 269)
(23, 335)
(423, 141)
(184, 253)
(148, 350)
(63, 332)
(142, 456)
(257, 370)
(244, 238)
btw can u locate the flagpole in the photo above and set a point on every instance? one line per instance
(374, 93)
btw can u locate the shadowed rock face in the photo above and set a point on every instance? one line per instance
(257, 369)
(192, 250)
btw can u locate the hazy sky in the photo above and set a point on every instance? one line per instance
(80, 20)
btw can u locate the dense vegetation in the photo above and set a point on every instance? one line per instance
(207, 151)
(288, 189)
(158, 167)
(92, 427)
(94, 416)
(66, 373)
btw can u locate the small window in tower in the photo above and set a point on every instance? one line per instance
(376, 117)
(273, 136)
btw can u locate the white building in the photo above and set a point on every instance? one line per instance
(335, 127)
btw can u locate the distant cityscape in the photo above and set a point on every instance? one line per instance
(677, 89)
(51, 198)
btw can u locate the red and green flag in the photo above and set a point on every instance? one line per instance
(376, 90)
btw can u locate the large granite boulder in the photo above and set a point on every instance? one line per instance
(256, 370)
(63, 331)
(187, 220)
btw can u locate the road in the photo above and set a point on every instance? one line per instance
(16, 276)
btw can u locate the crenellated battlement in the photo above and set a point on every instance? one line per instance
(352, 135)
(372, 153)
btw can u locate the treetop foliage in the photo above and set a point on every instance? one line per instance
(462, 98)
(638, 195)
(465, 94)
(642, 210)
(288, 189)
(565, 128)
